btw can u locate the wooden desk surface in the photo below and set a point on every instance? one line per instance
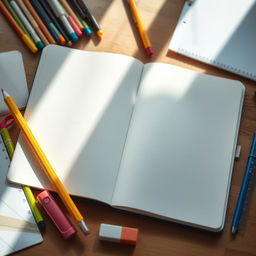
(155, 237)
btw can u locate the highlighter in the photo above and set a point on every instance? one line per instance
(55, 213)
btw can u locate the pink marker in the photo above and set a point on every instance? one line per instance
(55, 213)
(74, 26)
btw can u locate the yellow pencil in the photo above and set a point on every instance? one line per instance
(50, 173)
(27, 191)
(142, 31)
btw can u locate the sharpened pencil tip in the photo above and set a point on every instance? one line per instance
(83, 227)
(5, 94)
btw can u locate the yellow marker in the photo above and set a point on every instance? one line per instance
(7, 141)
(32, 202)
(25, 38)
(29, 195)
(46, 166)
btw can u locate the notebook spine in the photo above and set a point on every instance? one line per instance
(217, 64)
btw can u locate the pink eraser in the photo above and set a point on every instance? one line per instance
(55, 213)
(118, 234)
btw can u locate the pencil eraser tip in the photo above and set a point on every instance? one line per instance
(118, 234)
(149, 51)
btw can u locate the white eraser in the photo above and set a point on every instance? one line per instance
(118, 234)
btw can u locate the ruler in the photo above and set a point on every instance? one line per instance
(249, 196)
(18, 229)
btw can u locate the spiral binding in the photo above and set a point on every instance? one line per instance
(217, 64)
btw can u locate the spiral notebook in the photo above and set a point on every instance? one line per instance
(219, 33)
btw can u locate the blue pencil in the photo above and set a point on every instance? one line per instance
(244, 187)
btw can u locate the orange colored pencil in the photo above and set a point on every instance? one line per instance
(39, 22)
(29, 43)
(142, 32)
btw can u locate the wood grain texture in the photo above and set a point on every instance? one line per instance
(155, 237)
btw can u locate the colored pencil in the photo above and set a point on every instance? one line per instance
(69, 10)
(17, 28)
(48, 22)
(32, 21)
(89, 17)
(81, 16)
(28, 26)
(39, 22)
(60, 13)
(142, 32)
(14, 15)
(57, 24)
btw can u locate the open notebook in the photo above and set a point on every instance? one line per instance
(220, 33)
(13, 79)
(155, 138)
(18, 229)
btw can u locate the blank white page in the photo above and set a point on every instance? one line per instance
(179, 153)
(220, 33)
(13, 79)
(79, 111)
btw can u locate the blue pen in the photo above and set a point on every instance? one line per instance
(244, 188)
